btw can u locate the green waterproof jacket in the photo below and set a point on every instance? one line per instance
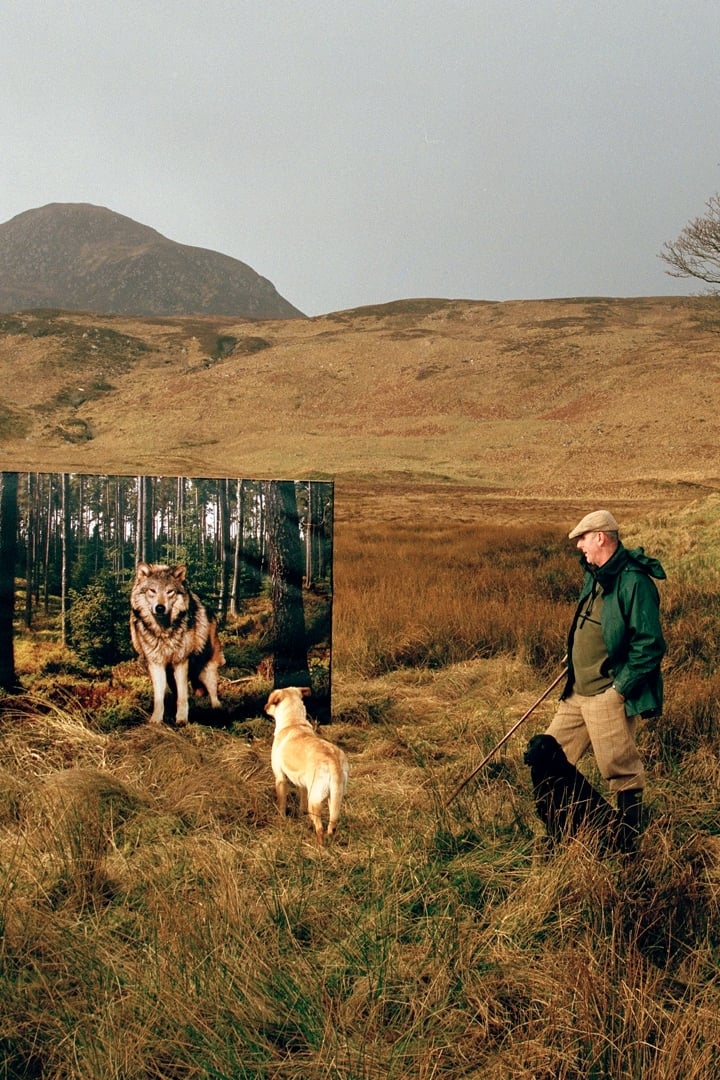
(630, 627)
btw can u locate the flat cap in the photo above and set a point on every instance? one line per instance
(598, 521)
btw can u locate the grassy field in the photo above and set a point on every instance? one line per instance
(159, 921)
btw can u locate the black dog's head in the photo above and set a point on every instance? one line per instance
(545, 751)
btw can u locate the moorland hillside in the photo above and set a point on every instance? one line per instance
(556, 400)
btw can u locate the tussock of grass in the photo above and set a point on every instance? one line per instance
(159, 920)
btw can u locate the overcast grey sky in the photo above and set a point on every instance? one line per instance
(363, 152)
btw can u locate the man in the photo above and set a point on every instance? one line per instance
(615, 647)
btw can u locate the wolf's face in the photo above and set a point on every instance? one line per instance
(160, 591)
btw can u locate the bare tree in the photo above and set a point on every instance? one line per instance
(696, 252)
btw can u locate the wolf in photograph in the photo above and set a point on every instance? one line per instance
(565, 800)
(316, 767)
(176, 635)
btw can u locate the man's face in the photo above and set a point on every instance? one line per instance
(594, 547)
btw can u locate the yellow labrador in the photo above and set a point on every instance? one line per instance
(318, 768)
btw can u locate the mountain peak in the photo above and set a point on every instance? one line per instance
(81, 257)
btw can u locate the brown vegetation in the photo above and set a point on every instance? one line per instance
(158, 921)
(543, 400)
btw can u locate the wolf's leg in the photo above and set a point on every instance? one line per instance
(181, 682)
(209, 679)
(159, 682)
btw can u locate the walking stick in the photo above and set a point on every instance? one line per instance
(505, 738)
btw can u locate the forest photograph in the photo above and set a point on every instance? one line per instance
(256, 554)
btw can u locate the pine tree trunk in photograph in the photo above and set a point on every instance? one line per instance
(314, 540)
(144, 525)
(226, 550)
(290, 662)
(8, 552)
(237, 551)
(65, 554)
(30, 534)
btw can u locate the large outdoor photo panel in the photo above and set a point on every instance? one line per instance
(245, 566)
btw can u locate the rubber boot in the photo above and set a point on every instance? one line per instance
(630, 825)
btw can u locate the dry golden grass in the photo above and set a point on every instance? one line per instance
(535, 399)
(160, 921)
(448, 593)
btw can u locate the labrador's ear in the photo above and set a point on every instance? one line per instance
(274, 699)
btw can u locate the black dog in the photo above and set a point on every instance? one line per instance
(565, 800)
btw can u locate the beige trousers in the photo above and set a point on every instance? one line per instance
(601, 722)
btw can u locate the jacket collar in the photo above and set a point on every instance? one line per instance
(606, 575)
